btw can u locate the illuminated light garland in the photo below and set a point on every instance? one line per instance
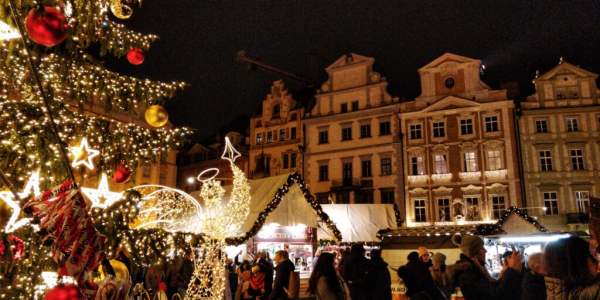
(84, 155)
(31, 188)
(101, 197)
(496, 228)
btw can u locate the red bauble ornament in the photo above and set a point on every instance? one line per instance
(135, 56)
(122, 173)
(46, 26)
(64, 292)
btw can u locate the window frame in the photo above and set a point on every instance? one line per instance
(491, 125)
(541, 123)
(447, 209)
(388, 128)
(572, 124)
(437, 164)
(323, 136)
(415, 131)
(384, 167)
(495, 163)
(323, 172)
(387, 191)
(346, 132)
(585, 206)
(366, 168)
(470, 125)
(497, 207)
(438, 132)
(577, 159)
(545, 161)
(470, 164)
(550, 203)
(420, 210)
(365, 130)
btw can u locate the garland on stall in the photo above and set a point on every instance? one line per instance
(294, 178)
(496, 228)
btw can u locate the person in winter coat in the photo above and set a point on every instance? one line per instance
(572, 270)
(439, 275)
(417, 278)
(533, 286)
(266, 265)
(282, 275)
(324, 281)
(470, 274)
(357, 271)
(382, 288)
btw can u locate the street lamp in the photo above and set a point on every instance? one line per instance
(191, 180)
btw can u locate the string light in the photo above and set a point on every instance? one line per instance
(31, 188)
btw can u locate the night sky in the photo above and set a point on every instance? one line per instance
(200, 39)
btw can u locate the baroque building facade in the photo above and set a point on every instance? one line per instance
(560, 137)
(460, 161)
(276, 135)
(352, 136)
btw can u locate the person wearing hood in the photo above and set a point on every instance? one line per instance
(533, 286)
(382, 288)
(470, 274)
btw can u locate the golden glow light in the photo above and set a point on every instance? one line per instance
(101, 197)
(83, 155)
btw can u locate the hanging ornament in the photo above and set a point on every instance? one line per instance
(83, 155)
(46, 26)
(63, 292)
(135, 56)
(122, 173)
(104, 25)
(156, 116)
(120, 10)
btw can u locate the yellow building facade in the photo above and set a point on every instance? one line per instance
(352, 136)
(276, 135)
(460, 150)
(560, 142)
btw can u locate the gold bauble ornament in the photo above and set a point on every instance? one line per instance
(121, 271)
(156, 116)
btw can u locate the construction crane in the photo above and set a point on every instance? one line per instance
(255, 64)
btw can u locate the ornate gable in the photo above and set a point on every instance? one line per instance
(278, 103)
(348, 60)
(564, 69)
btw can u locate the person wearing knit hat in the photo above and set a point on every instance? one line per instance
(439, 274)
(424, 255)
(473, 278)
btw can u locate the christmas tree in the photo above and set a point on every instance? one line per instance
(64, 116)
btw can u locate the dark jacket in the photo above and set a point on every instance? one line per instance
(382, 283)
(533, 287)
(417, 279)
(282, 280)
(476, 283)
(267, 267)
(357, 273)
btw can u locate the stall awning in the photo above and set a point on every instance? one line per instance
(359, 222)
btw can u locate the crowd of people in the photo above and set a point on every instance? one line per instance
(566, 269)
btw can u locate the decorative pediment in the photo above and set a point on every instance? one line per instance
(451, 102)
(566, 68)
(497, 188)
(471, 189)
(350, 59)
(450, 59)
(418, 191)
(442, 190)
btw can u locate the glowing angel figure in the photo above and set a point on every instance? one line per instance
(219, 221)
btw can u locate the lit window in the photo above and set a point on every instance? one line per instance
(444, 210)
(498, 206)
(466, 126)
(415, 132)
(472, 209)
(439, 129)
(551, 203)
(576, 159)
(416, 165)
(269, 137)
(494, 160)
(258, 138)
(582, 198)
(470, 162)
(420, 215)
(440, 164)
(491, 123)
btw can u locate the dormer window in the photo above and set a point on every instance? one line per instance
(276, 111)
(449, 82)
